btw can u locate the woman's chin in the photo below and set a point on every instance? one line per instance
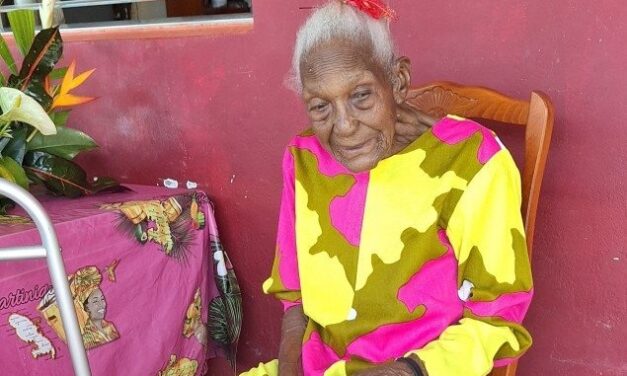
(357, 165)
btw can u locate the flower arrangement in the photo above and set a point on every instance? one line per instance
(36, 146)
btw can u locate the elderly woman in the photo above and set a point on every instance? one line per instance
(401, 248)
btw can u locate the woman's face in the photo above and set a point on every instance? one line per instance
(350, 103)
(96, 305)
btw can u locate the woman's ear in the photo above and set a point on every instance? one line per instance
(402, 78)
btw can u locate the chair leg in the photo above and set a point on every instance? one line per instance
(509, 370)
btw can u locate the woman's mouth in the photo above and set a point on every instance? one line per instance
(352, 151)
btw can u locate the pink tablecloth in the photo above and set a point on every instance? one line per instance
(154, 292)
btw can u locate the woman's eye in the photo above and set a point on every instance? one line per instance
(318, 107)
(361, 95)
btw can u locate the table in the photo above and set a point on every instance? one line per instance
(154, 291)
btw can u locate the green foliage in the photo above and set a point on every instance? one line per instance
(39, 62)
(23, 27)
(6, 55)
(60, 176)
(58, 73)
(104, 184)
(13, 172)
(59, 118)
(35, 143)
(67, 143)
(15, 146)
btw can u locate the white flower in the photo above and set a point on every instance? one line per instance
(17, 106)
(46, 13)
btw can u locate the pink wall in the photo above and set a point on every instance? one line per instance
(213, 110)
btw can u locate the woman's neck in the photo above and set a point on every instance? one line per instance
(404, 138)
(406, 133)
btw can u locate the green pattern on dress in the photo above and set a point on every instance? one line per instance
(522, 335)
(460, 158)
(321, 190)
(486, 286)
(383, 286)
(280, 291)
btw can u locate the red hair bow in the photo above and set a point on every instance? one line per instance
(376, 9)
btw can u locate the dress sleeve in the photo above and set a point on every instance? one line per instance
(284, 282)
(486, 233)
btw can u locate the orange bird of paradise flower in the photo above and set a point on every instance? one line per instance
(64, 98)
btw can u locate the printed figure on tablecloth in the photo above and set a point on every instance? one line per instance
(225, 310)
(90, 305)
(180, 367)
(28, 331)
(168, 223)
(193, 321)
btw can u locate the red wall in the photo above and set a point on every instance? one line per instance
(213, 109)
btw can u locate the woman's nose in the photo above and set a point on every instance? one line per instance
(345, 124)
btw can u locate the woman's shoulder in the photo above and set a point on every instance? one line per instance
(304, 151)
(306, 141)
(468, 134)
(304, 138)
(459, 145)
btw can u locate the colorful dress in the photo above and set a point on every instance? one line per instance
(424, 254)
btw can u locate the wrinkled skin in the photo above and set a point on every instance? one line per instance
(360, 117)
(292, 332)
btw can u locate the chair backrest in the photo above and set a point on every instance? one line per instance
(536, 116)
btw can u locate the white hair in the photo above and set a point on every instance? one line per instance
(337, 20)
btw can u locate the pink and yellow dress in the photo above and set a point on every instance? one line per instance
(425, 254)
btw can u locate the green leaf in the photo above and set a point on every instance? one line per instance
(58, 73)
(16, 147)
(6, 55)
(17, 106)
(22, 23)
(60, 176)
(104, 184)
(67, 143)
(44, 54)
(218, 322)
(4, 141)
(59, 118)
(13, 172)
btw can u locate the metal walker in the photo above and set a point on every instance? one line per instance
(51, 252)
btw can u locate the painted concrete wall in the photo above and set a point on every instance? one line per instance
(214, 110)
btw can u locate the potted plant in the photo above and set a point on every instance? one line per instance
(36, 146)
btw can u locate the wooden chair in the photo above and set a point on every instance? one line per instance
(536, 116)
